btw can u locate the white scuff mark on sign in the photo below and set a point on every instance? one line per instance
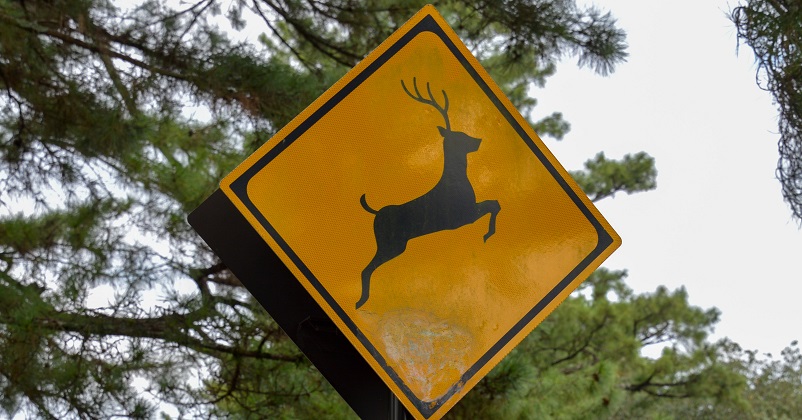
(429, 349)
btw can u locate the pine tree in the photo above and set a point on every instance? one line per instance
(773, 29)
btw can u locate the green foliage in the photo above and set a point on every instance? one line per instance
(602, 177)
(277, 389)
(767, 388)
(773, 29)
(585, 360)
(775, 385)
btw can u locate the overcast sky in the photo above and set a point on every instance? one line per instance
(716, 224)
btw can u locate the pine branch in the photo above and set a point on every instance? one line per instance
(586, 343)
(41, 30)
(169, 328)
(647, 386)
(309, 66)
(172, 328)
(330, 48)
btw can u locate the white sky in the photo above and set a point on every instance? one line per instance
(716, 223)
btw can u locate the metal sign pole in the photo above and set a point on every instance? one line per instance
(397, 410)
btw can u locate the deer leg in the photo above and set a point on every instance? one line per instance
(366, 273)
(382, 256)
(485, 207)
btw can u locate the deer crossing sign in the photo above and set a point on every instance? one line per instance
(421, 212)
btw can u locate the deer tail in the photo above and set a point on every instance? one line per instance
(365, 205)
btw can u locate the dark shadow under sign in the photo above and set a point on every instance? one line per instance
(260, 270)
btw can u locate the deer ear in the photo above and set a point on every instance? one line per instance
(443, 130)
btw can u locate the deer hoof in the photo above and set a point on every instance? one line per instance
(361, 302)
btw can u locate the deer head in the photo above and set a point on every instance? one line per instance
(453, 139)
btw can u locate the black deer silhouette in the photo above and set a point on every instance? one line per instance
(449, 205)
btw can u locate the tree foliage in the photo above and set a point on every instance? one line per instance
(603, 177)
(773, 29)
(585, 360)
(117, 121)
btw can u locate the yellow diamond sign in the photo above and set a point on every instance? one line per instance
(418, 208)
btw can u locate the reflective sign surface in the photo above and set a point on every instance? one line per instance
(421, 212)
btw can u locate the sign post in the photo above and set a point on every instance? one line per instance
(420, 214)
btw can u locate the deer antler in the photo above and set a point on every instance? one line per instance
(431, 101)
